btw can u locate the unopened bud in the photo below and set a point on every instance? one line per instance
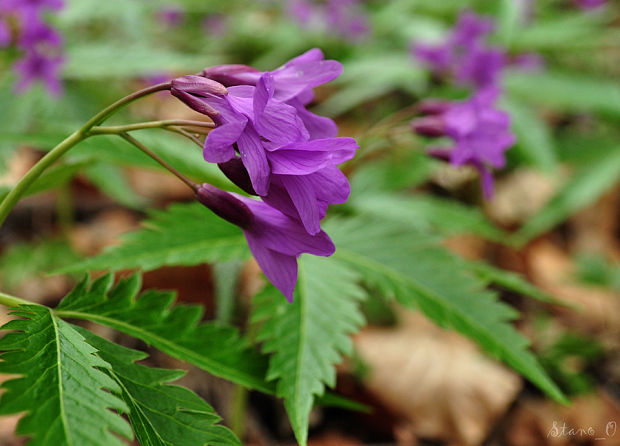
(236, 172)
(433, 107)
(190, 89)
(431, 126)
(225, 205)
(230, 75)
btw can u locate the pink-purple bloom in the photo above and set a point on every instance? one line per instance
(41, 45)
(342, 18)
(590, 4)
(275, 240)
(480, 133)
(269, 144)
(464, 54)
(171, 15)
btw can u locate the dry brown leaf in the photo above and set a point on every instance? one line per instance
(544, 423)
(519, 195)
(597, 311)
(437, 379)
(90, 238)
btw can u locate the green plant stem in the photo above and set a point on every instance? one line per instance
(115, 130)
(35, 172)
(239, 406)
(12, 301)
(127, 137)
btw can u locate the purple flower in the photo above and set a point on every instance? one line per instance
(343, 18)
(171, 15)
(36, 35)
(480, 132)
(590, 4)
(5, 34)
(215, 25)
(295, 174)
(36, 67)
(275, 240)
(464, 54)
(41, 60)
(293, 83)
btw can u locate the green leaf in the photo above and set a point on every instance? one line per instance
(60, 387)
(510, 281)
(175, 330)
(55, 176)
(184, 234)
(534, 140)
(426, 213)
(582, 189)
(406, 264)
(566, 92)
(162, 415)
(308, 336)
(111, 180)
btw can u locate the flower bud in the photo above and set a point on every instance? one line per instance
(431, 126)
(236, 172)
(230, 75)
(433, 107)
(225, 205)
(190, 89)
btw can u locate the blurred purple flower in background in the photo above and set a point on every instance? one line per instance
(480, 132)
(42, 58)
(464, 54)
(171, 15)
(215, 25)
(342, 18)
(590, 4)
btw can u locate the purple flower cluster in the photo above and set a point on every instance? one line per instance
(344, 18)
(590, 4)
(464, 54)
(480, 132)
(269, 144)
(42, 45)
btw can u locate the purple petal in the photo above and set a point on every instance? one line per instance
(292, 79)
(254, 159)
(280, 269)
(308, 157)
(330, 185)
(304, 199)
(317, 126)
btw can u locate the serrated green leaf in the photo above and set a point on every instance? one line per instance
(534, 140)
(160, 414)
(443, 216)
(308, 336)
(510, 281)
(567, 92)
(184, 234)
(60, 387)
(404, 263)
(175, 330)
(582, 189)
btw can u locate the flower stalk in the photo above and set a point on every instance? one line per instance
(84, 132)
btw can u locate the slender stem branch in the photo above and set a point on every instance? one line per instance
(12, 301)
(112, 130)
(35, 172)
(160, 160)
(188, 135)
(111, 109)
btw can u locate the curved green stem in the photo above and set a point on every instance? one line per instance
(116, 129)
(12, 301)
(22, 186)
